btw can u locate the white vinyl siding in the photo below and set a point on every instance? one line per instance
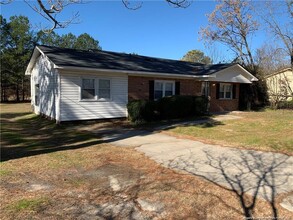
(44, 89)
(74, 108)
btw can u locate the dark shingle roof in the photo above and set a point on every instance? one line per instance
(121, 61)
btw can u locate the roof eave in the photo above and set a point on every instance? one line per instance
(251, 78)
(278, 72)
(132, 72)
(36, 53)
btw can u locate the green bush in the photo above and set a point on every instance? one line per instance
(200, 105)
(175, 106)
(172, 107)
(285, 105)
(142, 110)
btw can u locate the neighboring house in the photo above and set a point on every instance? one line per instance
(280, 85)
(68, 84)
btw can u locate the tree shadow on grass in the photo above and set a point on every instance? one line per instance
(35, 135)
(249, 175)
(31, 135)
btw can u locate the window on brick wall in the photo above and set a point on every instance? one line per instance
(205, 89)
(225, 91)
(164, 88)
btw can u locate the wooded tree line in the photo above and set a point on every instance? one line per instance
(17, 42)
(233, 23)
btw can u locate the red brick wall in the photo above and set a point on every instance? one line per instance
(138, 87)
(219, 105)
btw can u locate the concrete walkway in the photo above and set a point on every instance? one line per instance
(261, 174)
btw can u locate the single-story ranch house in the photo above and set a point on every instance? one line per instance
(69, 84)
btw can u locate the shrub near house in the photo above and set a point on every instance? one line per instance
(171, 107)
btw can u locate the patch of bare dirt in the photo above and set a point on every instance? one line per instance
(114, 183)
(71, 175)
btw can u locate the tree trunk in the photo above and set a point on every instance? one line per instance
(17, 93)
(22, 84)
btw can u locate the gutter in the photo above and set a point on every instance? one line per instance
(133, 73)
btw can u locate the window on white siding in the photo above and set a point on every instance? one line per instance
(164, 88)
(88, 89)
(104, 89)
(95, 89)
(225, 91)
(37, 94)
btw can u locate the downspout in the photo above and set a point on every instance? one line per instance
(58, 104)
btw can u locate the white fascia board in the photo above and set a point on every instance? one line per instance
(35, 55)
(249, 77)
(133, 73)
(278, 72)
(252, 77)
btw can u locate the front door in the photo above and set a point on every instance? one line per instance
(205, 89)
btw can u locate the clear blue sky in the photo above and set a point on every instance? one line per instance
(156, 29)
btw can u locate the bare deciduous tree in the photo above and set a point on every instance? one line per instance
(216, 55)
(231, 23)
(50, 9)
(281, 30)
(270, 59)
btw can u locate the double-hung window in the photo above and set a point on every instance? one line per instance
(37, 94)
(104, 92)
(164, 88)
(88, 90)
(205, 89)
(225, 91)
(95, 89)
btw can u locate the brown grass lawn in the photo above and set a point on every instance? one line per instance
(265, 130)
(55, 172)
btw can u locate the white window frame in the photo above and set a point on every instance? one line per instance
(164, 87)
(96, 87)
(205, 88)
(81, 88)
(37, 94)
(226, 90)
(97, 91)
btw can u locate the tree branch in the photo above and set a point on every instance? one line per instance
(126, 3)
(5, 2)
(179, 3)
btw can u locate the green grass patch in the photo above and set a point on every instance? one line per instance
(62, 159)
(268, 130)
(4, 172)
(29, 205)
(25, 134)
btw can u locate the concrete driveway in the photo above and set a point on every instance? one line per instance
(261, 174)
